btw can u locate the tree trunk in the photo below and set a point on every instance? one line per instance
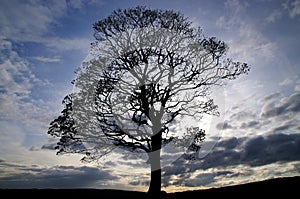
(155, 181)
(154, 158)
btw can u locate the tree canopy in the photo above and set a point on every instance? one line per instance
(147, 69)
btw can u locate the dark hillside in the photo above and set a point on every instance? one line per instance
(280, 186)
(289, 186)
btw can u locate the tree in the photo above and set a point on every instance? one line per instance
(147, 69)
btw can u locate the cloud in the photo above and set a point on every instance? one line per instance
(28, 20)
(274, 16)
(273, 113)
(289, 7)
(224, 126)
(241, 115)
(21, 176)
(271, 97)
(78, 4)
(286, 82)
(47, 59)
(23, 117)
(50, 146)
(289, 105)
(203, 179)
(240, 174)
(16, 77)
(266, 150)
(238, 158)
(236, 5)
(297, 87)
(263, 150)
(251, 124)
(65, 44)
(293, 8)
(32, 21)
(17, 83)
(252, 45)
(281, 128)
(253, 151)
(245, 40)
(232, 19)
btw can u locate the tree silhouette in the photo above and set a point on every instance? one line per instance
(148, 68)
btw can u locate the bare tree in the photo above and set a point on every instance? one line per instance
(147, 68)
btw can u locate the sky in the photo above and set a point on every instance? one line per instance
(43, 42)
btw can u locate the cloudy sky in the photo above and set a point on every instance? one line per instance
(43, 42)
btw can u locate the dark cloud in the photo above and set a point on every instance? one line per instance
(241, 115)
(140, 182)
(259, 150)
(111, 164)
(134, 160)
(224, 126)
(135, 183)
(281, 128)
(273, 147)
(33, 148)
(275, 113)
(287, 106)
(50, 146)
(229, 143)
(171, 148)
(271, 97)
(204, 179)
(256, 151)
(250, 124)
(235, 152)
(200, 180)
(55, 177)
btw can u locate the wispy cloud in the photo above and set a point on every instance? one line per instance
(32, 21)
(67, 44)
(29, 20)
(47, 59)
(290, 8)
(77, 4)
(251, 45)
(293, 7)
(274, 16)
(248, 43)
(286, 82)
